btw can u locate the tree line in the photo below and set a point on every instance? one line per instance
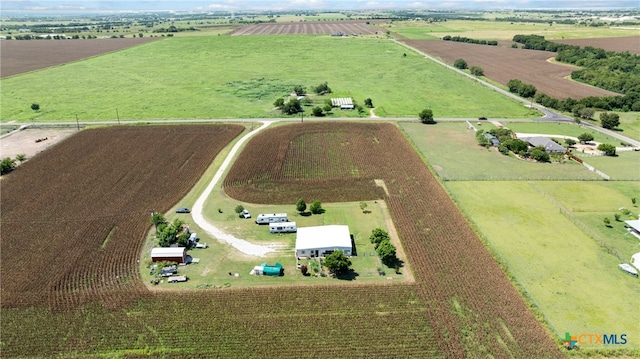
(469, 40)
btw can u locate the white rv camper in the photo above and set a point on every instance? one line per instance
(283, 227)
(271, 218)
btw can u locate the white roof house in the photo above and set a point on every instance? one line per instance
(634, 227)
(319, 241)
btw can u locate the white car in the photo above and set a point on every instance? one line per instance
(246, 214)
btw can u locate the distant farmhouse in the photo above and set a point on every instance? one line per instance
(549, 145)
(345, 103)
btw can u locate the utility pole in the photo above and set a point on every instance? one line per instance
(118, 116)
(77, 123)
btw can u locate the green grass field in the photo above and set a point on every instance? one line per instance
(454, 154)
(502, 30)
(572, 280)
(231, 77)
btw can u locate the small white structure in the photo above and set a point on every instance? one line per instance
(634, 227)
(320, 241)
(264, 218)
(283, 227)
(635, 260)
(169, 254)
(345, 103)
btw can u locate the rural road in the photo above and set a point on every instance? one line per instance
(242, 245)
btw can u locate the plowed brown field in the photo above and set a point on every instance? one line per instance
(618, 44)
(348, 27)
(502, 64)
(61, 205)
(18, 56)
(59, 208)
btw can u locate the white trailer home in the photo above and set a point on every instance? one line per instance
(264, 218)
(283, 227)
(320, 241)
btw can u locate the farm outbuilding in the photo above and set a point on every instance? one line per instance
(345, 103)
(320, 241)
(265, 269)
(633, 226)
(169, 254)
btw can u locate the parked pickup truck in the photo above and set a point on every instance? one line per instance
(177, 278)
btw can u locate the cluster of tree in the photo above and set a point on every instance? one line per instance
(610, 70)
(609, 120)
(385, 249)
(315, 207)
(322, 89)
(426, 117)
(290, 107)
(337, 262)
(9, 164)
(169, 233)
(607, 149)
(469, 40)
(521, 89)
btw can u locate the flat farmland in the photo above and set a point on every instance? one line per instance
(617, 44)
(461, 304)
(241, 77)
(347, 27)
(502, 64)
(18, 56)
(84, 207)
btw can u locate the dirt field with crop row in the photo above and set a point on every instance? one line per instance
(502, 64)
(617, 44)
(347, 27)
(18, 56)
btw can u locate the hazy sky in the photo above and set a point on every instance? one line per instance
(278, 5)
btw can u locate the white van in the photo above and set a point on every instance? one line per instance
(264, 218)
(283, 227)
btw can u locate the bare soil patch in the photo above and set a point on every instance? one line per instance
(18, 56)
(502, 64)
(348, 27)
(25, 141)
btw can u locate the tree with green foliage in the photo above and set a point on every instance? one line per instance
(368, 102)
(316, 207)
(482, 139)
(609, 120)
(21, 157)
(460, 64)
(299, 90)
(616, 216)
(387, 253)
(607, 222)
(317, 111)
(322, 89)
(608, 149)
(327, 108)
(476, 71)
(516, 145)
(7, 165)
(570, 141)
(585, 137)
(35, 106)
(363, 206)
(633, 201)
(301, 205)
(378, 235)
(426, 116)
(291, 107)
(239, 208)
(279, 102)
(157, 219)
(540, 155)
(337, 262)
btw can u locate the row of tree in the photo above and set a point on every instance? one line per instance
(462, 65)
(384, 248)
(469, 40)
(170, 233)
(315, 207)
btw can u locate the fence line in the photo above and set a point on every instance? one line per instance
(596, 237)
